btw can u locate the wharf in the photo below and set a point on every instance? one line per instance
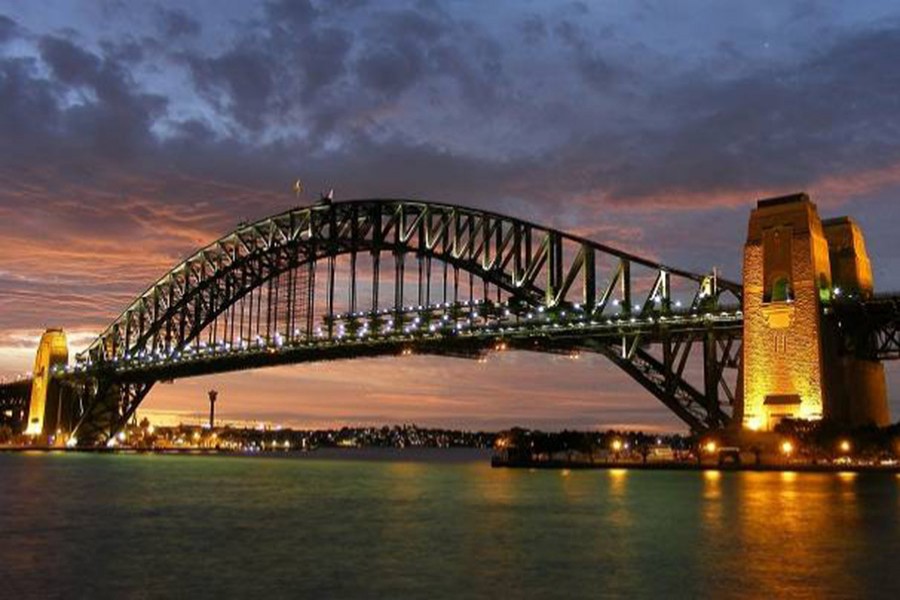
(694, 466)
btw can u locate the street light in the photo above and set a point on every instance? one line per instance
(845, 446)
(787, 448)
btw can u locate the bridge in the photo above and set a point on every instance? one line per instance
(368, 278)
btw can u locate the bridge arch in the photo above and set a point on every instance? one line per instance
(511, 254)
(215, 297)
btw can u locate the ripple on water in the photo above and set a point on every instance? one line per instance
(84, 526)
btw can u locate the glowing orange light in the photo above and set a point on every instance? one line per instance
(616, 445)
(845, 446)
(710, 446)
(52, 351)
(787, 447)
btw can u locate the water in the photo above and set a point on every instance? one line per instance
(146, 526)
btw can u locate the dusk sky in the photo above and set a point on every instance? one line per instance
(132, 133)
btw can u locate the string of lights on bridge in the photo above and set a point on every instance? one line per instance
(260, 343)
(477, 319)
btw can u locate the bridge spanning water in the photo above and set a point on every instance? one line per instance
(394, 277)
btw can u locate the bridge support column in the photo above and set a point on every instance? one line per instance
(44, 406)
(792, 363)
(786, 275)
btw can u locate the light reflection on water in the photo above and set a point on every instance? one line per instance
(712, 515)
(847, 476)
(79, 525)
(795, 532)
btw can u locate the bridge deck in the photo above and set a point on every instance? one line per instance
(447, 340)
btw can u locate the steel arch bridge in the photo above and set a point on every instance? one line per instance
(393, 277)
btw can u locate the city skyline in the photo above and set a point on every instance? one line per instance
(128, 146)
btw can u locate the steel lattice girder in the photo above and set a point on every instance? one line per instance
(868, 328)
(536, 268)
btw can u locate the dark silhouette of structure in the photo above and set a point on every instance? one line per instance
(213, 396)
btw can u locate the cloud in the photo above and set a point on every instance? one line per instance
(291, 13)
(8, 29)
(390, 69)
(244, 77)
(70, 64)
(323, 54)
(88, 111)
(176, 23)
(533, 29)
(598, 72)
(783, 127)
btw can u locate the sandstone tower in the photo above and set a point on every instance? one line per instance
(794, 265)
(43, 409)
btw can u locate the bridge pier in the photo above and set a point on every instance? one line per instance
(45, 403)
(794, 267)
(857, 386)
(56, 411)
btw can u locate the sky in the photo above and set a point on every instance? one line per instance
(132, 133)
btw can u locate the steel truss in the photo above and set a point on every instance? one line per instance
(869, 328)
(312, 277)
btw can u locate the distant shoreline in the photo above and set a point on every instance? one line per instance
(373, 453)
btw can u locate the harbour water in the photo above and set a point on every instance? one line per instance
(435, 525)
